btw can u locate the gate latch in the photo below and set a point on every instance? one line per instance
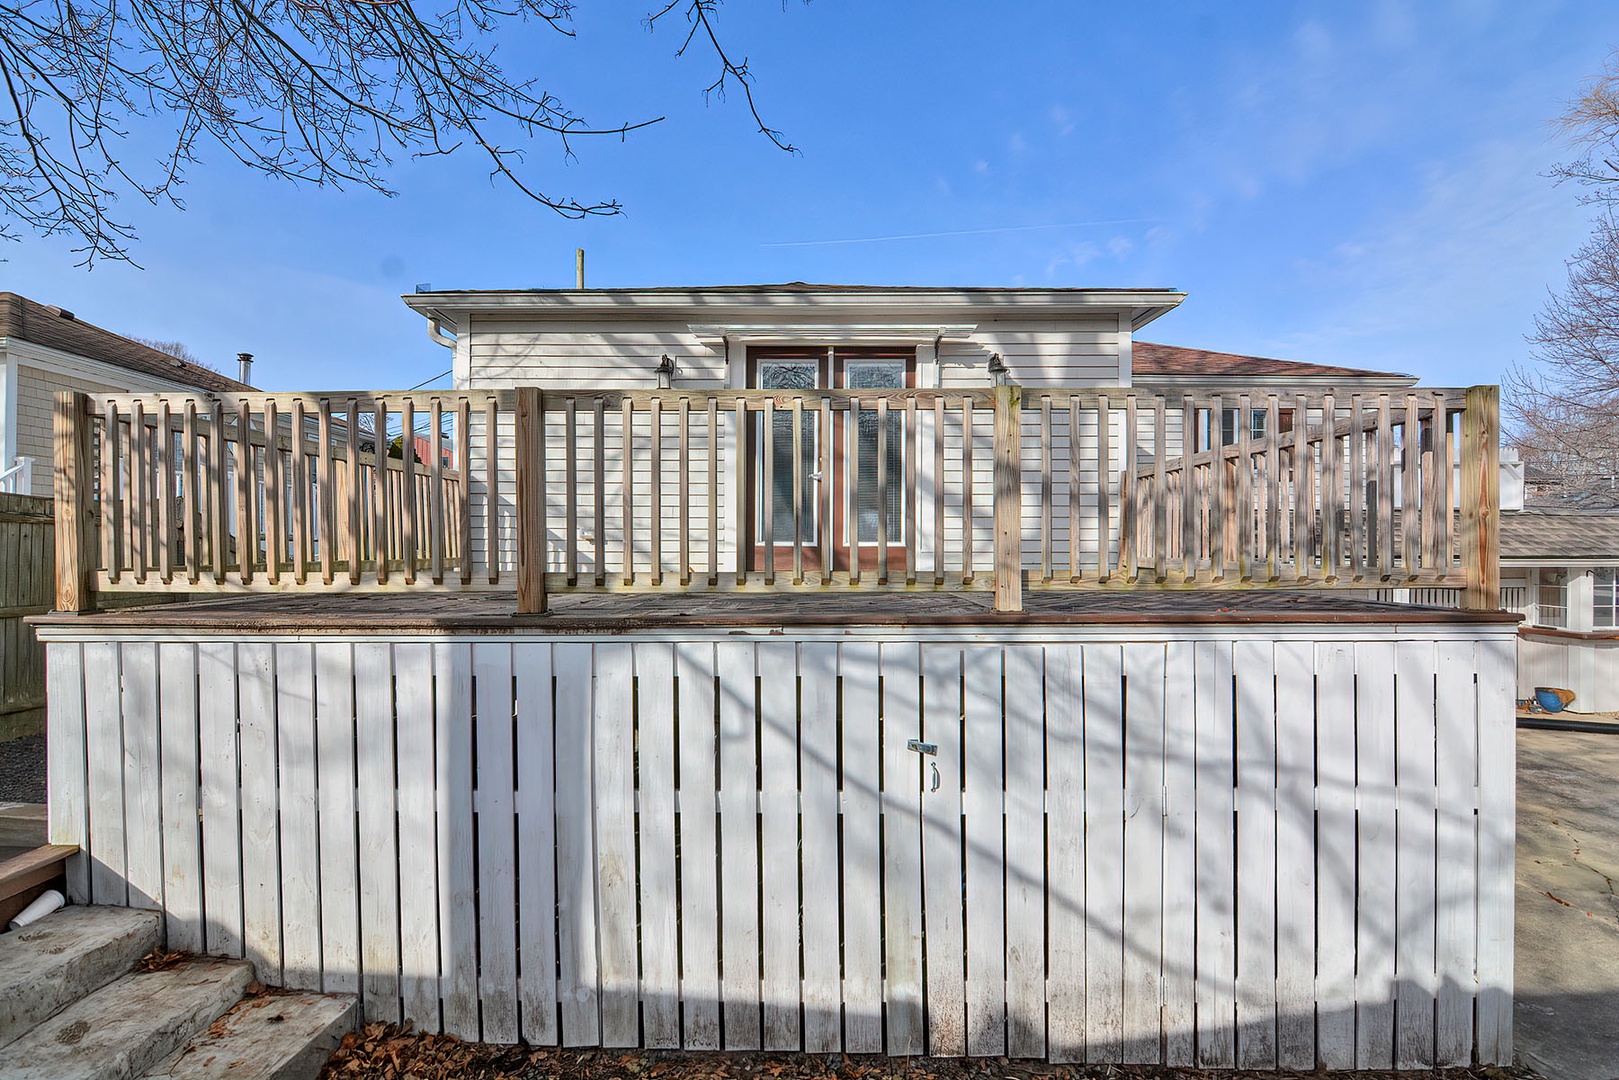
(921, 747)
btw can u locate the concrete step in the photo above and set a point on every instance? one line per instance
(124, 1029)
(47, 966)
(269, 1037)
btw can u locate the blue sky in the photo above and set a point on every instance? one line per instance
(1356, 184)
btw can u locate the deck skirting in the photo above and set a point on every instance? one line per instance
(1269, 845)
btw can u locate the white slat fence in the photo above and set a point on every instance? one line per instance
(1282, 848)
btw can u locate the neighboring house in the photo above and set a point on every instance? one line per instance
(44, 349)
(1560, 571)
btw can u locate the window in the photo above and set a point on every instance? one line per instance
(1605, 599)
(789, 375)
(1228, 425)
(878, 375)
(1551, 598)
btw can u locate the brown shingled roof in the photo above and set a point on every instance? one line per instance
(29, 320)
(1554, 534)
(1149, 358)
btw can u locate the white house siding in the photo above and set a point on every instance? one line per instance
(1130, 748)
(595, 355)
(36, 415)
(1037, 354)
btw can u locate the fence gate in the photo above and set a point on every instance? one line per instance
(1204, 847)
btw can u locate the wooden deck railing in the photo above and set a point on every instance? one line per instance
(996, 488)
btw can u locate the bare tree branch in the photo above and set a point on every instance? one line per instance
(322, 92)
(1563, 411)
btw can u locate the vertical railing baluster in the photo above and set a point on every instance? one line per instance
(1273, 486)
(163, 481)
(599, 486)
(741, 466)
(939, 489)
(246, 533)
(570, 486)
(407, 484)
(1160, 488)
(1104, 492)
(1357, 487)
(714, 491)
(1245, 509)
(112, 503)
(767, 494)
(655, 487)
(1074, 454)
(1188, 509)
(300, 496)
(1410, 494)
(968, 571)
(218, 493)
(435, 472)
(1385, 488)
(140, 471)
(1332, 495)
(627, 410)
(379, 488)
(882, 491)
(275, 529)
(1129, 511)
(824, 490)
(326, 529)
(683, 464)
(798, 489)
(1047, 510)
(851, 429)
(1303, 492)
(1222, 524)
(912, 502)
(190, 448)
(1445, 447)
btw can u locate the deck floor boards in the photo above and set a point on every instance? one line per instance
(593, 612)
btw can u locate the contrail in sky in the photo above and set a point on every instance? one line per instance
(958, 232)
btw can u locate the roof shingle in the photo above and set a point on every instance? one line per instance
(29, 320)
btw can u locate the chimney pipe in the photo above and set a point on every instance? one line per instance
(578, 268)
(244, 361)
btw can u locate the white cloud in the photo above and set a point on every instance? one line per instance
(1447, 287)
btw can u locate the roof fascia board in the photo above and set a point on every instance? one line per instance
(697, 306)
(83, 367)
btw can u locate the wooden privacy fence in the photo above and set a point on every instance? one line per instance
(1000, 488)
(26, 579)
(1286, 846)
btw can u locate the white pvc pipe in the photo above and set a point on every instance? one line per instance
(48, 901)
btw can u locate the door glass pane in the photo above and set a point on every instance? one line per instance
(788, 375)
(875, 375)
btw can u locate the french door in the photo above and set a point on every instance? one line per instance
(773, 474)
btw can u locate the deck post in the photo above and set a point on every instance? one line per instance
(75, 526)
(530, 501)
(1008, 498)
(1480, 498)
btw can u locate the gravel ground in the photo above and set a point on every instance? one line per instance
(22, 770)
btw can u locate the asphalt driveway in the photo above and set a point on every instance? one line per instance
(1567, 971)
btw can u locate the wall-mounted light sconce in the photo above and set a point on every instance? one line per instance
(665, 372)
(998, 371)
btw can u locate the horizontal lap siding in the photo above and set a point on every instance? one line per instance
(588, 356)
(1036, 354)
(1136, 849)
